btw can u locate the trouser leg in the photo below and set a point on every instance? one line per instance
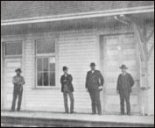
(127, 99)
(93, 102)
(65, 102)
(20, 99)
(14, 99)
(98, 102)
(71, 102)
(122, 103)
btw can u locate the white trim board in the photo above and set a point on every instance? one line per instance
(114, 12)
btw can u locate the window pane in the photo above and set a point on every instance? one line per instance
(39, 64)
(46, 79)
(52, 67)
(40, 79)
(13, 48)
(45, 64)
(52, 64)
(52, 78)
(46, 71)
(45, 46)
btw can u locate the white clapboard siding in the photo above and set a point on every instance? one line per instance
(37, 99)
(76, 50)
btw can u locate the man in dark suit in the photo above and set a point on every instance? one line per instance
(67, 90)
(18, 82)
(94, 84)
(124, 84)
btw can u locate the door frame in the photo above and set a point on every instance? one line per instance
(101, 45)
(7, 60)
(4, 58)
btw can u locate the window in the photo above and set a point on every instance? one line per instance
(45, 58)
(46, 71)
(13, 48)
(45, 47)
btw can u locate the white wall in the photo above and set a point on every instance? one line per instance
(76, 49)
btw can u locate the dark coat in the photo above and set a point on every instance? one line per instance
(18, 80)
(66, 80)
(124, 83)
(94, 80)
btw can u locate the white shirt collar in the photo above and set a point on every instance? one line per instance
(92, 71)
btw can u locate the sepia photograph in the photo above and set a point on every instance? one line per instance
(77, 63)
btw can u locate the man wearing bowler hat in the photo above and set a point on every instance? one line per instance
(67, 90)
(124, 85)
(18, 82)
(94, 83)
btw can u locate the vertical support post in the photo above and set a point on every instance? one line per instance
(2, 78)
(141, 42)
(143, 56)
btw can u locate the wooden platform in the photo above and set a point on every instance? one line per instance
(46, 119)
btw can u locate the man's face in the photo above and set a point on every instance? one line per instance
(66, 71)
(123, 70)
(92, 67)
(18, 73)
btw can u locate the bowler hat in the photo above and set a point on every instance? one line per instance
(65, 68)
(18, 70)
(123, 66)
(92, 64)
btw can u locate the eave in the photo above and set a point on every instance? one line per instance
(114, 12)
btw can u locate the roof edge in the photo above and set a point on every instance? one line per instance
(114, 12)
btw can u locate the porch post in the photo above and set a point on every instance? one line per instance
(142, 42)
(2, 78)
(145, 54)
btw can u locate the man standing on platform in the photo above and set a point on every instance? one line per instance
(124, 84)
(18, 82)
(94, 84)
(67, 90)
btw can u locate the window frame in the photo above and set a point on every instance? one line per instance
(13, 56)
(44, 55)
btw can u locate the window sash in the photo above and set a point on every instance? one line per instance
(48, 71)
(40, 41)
(13, 55)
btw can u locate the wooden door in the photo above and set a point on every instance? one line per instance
(10, 66)
(115, 51)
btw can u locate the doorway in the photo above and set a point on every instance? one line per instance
(116, 50)
(10, 66)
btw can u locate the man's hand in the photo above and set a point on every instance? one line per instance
(21, 88)
(86, 89)
(117, 91)
(100, 88)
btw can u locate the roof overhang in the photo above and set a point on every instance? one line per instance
(135, 10)
(87, 19)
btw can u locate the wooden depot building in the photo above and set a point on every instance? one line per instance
(41, 37)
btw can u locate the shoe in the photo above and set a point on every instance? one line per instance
(129, 114)
(100, 114)
(12, 110)
(122, 114)
(93, 113)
